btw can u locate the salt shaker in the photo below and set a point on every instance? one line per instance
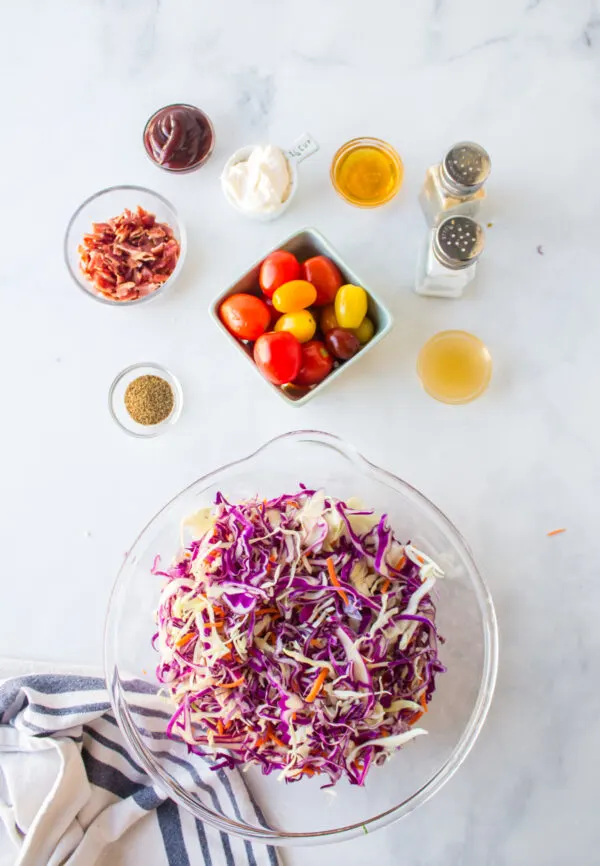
(448, 260)
(455, 186)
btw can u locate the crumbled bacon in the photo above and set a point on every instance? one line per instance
(129, 256)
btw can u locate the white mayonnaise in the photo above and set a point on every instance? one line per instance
(259, 184)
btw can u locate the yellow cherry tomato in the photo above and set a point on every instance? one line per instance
(294, 296)
(328, 320)
(365, 331)
(301, 324)
(350, 306)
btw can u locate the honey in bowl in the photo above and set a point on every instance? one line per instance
(367, 172)
(454, 367)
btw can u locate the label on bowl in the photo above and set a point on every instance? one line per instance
(302, 148)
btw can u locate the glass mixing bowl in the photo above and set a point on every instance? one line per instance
(303, 813)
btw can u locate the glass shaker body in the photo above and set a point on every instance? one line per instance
(455, 187)
(448, 258)
(437, 202)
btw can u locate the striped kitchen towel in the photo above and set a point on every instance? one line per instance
(71, 795)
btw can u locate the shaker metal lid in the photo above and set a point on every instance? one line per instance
(466, 167)
(458, 242)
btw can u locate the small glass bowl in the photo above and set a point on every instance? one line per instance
(476, 355)
(359, 144)
(186, 168)
(110, 203)
(116, 400)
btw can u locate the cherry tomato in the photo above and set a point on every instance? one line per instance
(301, 324)
(293, 296)
(316, 363)
(278, 268)
(325, 277)
(278, 356)
(275, 314)
(342, 343)
(328, 320)
(365, 331)
(350, 306)
(245, 316)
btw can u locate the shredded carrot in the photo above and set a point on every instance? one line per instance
(417, 716)
(308, 771)
(273, 558)
(233, 685)
(556, 532)
(401, 563)
(218, 610)
(315, 641)
(185, 639)
(420, 559)
(334, 579)
(265, 610)
(386, 586)
(277, 740)
(317, 686)
(262, 740)
(220, 727)
(145, 672)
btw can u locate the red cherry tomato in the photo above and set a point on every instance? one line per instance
(325, 277)
(278, 356)
(342, 343)
(278, 268)
(316, 363)
(245, 316)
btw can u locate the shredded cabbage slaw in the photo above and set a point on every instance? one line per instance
(297, 634)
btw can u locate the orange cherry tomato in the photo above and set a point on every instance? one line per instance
(245, 316)
(325, 277)
(278, 268)
(294, 296)
(328, 320)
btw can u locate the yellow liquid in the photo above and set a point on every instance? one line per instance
(454, 367)
(367, 174)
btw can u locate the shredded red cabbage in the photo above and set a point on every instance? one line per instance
(297, 634)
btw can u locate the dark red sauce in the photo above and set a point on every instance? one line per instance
(179, 137)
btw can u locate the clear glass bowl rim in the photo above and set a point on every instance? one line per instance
(186, 169)
(182, 245)
(409, 804)
(365, 141)
(154, 429)
(464, 335)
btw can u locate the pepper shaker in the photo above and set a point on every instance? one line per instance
(455, 185)
(448, 259)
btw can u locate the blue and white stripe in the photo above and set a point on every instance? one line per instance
(121, 805)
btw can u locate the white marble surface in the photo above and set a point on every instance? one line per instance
(78, 82)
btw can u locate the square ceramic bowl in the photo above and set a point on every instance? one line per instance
(305, 244)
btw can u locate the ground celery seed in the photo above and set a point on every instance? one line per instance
(149, 400)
